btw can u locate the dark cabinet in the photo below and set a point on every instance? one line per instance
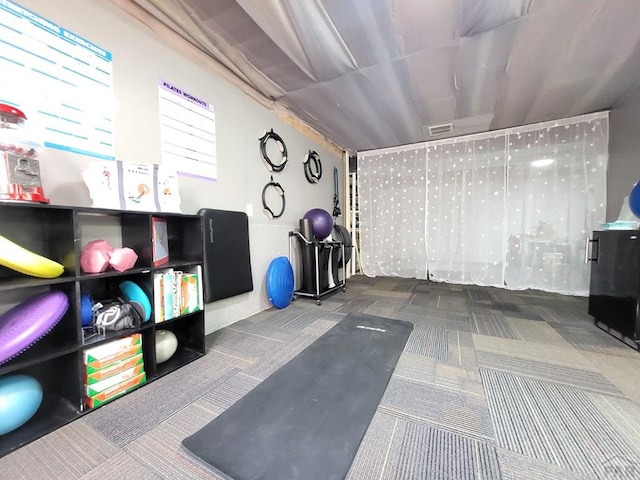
(615, 282)
(57, 360)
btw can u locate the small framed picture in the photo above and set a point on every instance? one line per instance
(160, 241)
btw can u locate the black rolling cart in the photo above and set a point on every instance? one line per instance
(321, 265)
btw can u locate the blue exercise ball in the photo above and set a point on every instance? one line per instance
(634, 199)
(321, 222)
(86, 309)
(20, 398)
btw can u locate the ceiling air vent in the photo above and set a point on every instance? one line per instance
(437, 130)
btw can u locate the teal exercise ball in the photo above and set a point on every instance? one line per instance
(20, 398)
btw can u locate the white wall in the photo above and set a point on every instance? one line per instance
(140, 59)
(624, 152)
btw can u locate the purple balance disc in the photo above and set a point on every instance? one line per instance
(28, 322)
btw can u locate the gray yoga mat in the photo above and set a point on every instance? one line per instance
(307, 419)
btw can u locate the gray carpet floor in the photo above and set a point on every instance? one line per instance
(492, 384)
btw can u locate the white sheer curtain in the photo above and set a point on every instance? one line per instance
(392, 191)
(465, 205)
(507, 208)
(557, 196)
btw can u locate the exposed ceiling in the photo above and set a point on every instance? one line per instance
(369, 74)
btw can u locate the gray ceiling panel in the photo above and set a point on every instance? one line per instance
(437, 112)
(371, 74)
(432, 73)
(367, 28)
(426, 25)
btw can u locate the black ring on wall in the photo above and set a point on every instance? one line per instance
(283, 148)
(280, 191)
(312, 159)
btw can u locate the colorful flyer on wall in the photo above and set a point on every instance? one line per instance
(167, 189)
(103, 181)
(133, 186)
(138, 186)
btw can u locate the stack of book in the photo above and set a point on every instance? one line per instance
(113, 369)
(176, 293)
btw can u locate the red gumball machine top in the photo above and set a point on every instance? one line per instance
(19, 169)
(12, 113)
(14, 133)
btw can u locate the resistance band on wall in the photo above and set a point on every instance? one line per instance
(280, 191)
(312, 167)
(336, 197)
(273, 167)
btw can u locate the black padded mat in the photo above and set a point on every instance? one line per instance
(307, 419)
(227, 260)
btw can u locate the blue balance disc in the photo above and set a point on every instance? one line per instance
(280, 282)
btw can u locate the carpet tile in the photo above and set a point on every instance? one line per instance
(492, 384)
(440, 407)
(549, 422)
(493, 324)
(428, 452)
(121, 466)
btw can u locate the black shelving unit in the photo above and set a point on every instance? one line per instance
(56, 360)
(317, 268)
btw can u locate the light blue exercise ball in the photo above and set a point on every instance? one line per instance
(20, 398)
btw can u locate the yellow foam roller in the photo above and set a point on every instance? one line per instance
(21, 260)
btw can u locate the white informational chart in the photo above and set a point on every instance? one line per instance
(187, 132)
(62, 82)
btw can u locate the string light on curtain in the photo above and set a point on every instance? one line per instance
(393, 187)
(541, 163)
(508, 208)
(465, 209)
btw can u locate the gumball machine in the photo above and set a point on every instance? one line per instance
(19, 167)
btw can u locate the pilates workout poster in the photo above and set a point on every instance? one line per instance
(187, 132)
